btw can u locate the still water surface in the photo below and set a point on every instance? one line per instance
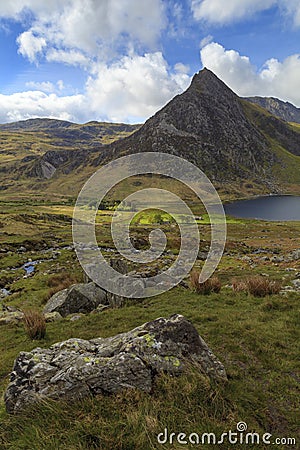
(272, 207)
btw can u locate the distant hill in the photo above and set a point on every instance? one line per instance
(63, 133)
(40, 143)
(284, 110)
(243, 148)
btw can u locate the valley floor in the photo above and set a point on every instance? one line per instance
(255, 338)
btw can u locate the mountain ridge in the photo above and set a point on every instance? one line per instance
(279, 108)
(232, 140)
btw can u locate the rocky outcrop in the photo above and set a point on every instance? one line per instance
(79, 298)
(284, 110)
(86, 297)
(78, 368)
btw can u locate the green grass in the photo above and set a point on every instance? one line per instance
(258, 349)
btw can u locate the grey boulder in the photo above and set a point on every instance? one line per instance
(79, 368)
(79, 298)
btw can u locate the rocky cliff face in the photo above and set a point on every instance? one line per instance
(284, 110)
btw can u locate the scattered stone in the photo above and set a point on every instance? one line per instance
(119, 265)
(202, 256)
(264, 258)
(246, 258)
(75, 317)
(296, 283)
(78, 368)
(277, 259)
(4, 292)
(52, 316)
(100, 308)
(8, 317)
(10, 308)
(294, 255)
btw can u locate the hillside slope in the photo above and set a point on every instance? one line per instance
(35, 148)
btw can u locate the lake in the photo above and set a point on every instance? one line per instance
(272, 207)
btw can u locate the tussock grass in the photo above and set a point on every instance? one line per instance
(35, 324)
(257, 286)
(209, 286)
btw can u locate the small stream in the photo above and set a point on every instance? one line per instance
(29, 266)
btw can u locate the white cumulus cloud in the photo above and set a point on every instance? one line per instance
(44, 86)
(275, 78)
(71, 57)
(135, 87)
(129, 90)
(30, 45)
(224, 12)
(30, 104)
(218, 11)
(92, 27)
(115, 42)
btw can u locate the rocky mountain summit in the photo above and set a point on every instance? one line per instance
(283, 110)
(208, 126)
(78, 368)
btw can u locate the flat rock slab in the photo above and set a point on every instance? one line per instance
(78, 368)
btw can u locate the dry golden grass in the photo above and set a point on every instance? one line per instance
(239, 285)
(35, 324)
(213, 284)
(60, 281)
(257, 285)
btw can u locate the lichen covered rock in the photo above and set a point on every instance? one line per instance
(78, 368)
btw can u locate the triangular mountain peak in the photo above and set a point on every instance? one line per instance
(206, 82)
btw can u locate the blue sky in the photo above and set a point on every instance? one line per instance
(115, 60)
